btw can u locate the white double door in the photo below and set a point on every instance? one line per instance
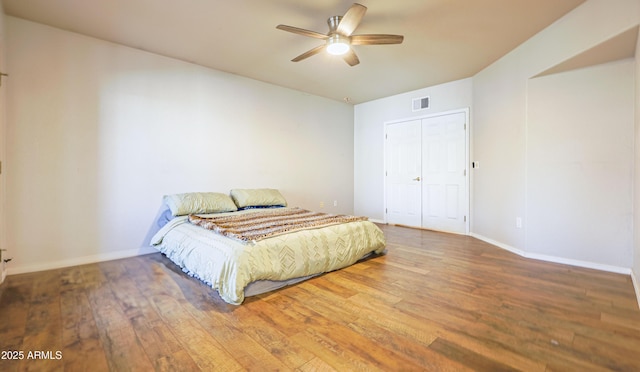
(426, 173)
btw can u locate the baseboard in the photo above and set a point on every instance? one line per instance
(81, 260)
(377, 221)
(636, 286)
(554, 259)
(506, 247)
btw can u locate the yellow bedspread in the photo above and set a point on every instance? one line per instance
(229, 265)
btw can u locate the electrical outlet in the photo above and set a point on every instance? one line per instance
(321, 204)
(518, 222)
(335, 203)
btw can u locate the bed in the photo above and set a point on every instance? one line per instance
(247, 242)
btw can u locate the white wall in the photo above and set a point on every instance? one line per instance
(579, 162)
(3, 111)
(97, 133)
(499, 118)
(369, 137)
(636, 190)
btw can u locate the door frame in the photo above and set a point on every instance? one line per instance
(467, 157)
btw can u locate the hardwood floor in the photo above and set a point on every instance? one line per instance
(433, 302)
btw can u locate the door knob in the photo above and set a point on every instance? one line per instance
(417, 179)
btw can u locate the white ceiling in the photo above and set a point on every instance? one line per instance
(445, 40)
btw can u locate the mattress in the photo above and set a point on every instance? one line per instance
(237, 269)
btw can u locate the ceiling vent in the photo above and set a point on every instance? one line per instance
(421, 103)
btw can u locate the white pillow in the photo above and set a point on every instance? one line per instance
(245, 198)
(199, 202)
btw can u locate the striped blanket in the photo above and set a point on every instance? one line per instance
(262, 224)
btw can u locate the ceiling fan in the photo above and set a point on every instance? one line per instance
(339, 39)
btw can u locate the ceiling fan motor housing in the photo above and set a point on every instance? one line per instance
(333, 23)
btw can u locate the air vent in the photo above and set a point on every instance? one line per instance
(421, 103)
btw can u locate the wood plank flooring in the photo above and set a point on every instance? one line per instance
(434, 302)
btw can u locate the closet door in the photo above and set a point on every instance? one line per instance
(444, 184)
(403, 157)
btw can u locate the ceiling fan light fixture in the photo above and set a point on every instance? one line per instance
(337, 45)
(340, 38)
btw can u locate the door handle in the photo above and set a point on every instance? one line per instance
(417, 179)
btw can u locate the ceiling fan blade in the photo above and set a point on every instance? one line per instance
(309, 53)
(302, 31)
(351, 58)
(376, 39)
(351, 19)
